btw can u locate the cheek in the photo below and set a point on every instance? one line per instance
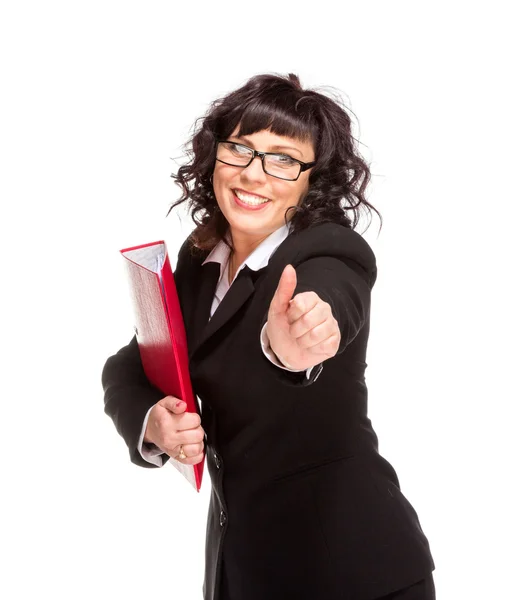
(219, 182)
(292, 197)
(223, 176)
(283, 193)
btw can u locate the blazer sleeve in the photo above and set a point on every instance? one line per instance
(341, 268)
(128, 394)
(338, 265)
(339, 282)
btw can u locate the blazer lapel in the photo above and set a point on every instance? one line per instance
(236, 296)
(208, 280)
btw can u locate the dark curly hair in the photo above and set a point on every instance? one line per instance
(337, 182)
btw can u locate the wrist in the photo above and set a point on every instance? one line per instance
(146, 439)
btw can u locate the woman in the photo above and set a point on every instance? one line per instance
(274, 285)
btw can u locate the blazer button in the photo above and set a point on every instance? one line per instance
(223, 518)
(217, 460)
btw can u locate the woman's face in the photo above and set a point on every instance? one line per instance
(251, 224)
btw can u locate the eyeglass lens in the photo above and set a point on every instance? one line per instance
(279, 165)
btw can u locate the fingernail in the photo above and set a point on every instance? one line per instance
(180, 403)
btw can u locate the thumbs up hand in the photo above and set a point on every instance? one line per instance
(302, 330)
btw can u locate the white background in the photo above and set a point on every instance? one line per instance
(97, 99)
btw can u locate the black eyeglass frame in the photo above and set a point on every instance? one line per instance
(304, 166)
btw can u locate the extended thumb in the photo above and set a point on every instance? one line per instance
(286, 288)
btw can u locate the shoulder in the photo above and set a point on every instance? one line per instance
(189, 255)
(333, 241)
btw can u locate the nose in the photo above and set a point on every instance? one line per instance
(254, 171)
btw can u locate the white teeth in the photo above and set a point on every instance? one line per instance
(248, 199)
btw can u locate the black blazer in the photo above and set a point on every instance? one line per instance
(302, 504)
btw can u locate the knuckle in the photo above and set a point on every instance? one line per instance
(307, 319)
(314, 335)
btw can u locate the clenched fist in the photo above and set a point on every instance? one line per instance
(169, 426)
(302, 330)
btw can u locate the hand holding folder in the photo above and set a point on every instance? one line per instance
(160, 331)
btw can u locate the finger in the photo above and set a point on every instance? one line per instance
(188, 421)
(190, 436)
(201, 448)
(191, 450)
(193, 460)
(284, 291)
(326, 348)
(176, 452)
(319, 334)
(317, 315)
(301, 304)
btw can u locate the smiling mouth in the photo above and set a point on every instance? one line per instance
(252, 200)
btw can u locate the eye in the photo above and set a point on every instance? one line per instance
(281, 160)
(238, 149)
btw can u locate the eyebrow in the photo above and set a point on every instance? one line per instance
(277, 147)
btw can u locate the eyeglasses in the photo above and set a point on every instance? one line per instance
(276, 165)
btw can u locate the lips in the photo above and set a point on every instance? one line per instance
(250, 193)
(256, 206)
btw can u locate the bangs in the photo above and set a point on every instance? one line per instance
(282, 116)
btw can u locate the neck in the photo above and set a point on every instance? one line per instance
(243, 246)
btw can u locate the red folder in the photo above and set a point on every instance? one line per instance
(160, 331)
